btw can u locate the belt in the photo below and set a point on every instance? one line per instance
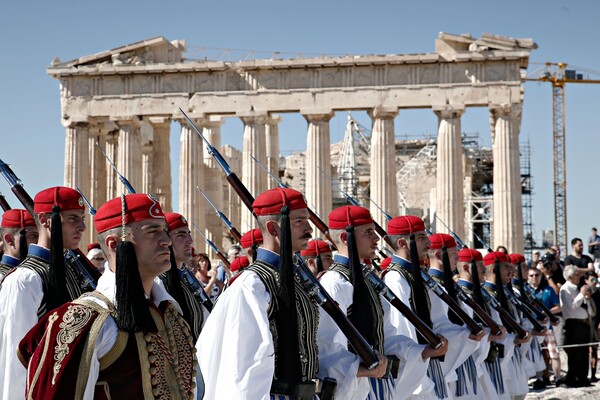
(300, 391)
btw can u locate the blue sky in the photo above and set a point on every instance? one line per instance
(33, 33)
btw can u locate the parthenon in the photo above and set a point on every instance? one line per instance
(126, 98)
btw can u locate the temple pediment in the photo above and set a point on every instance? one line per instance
(155, 50)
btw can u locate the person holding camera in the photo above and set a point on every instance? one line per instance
(591, 282)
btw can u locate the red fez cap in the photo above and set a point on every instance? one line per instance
(253, 236)
(271, 201)
(516, 258)
(405, 225)
(63, 197)
(385, 263)
(466, 255)
(175, 220)
(17, 218)
(93, 246)
(354, 216)
(491, 257)
(441, 239)
(138, 207)
(239, 263)
(315, 248)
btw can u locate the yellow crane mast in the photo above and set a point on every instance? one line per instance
(558, 75)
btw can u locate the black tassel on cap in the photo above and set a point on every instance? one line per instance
(254, 251)
(362, 312)
(287, 315)
(57, 291)
(421, 302)
(22, 244)
(449, 286)
(133, 313)
(501, 295)
(319, 264)
(176, 290)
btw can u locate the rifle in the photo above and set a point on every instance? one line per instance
(380, 231)
(197, 289)
(212, 246)
(234, 232)
(524, 310)
(86, 274)
(504, 314)
(123, 180)
(473, 326)
(314, 218)
(534, 300)
(4, 203)
(309, 282)
(421, 327)
(91, 209)
(481, 313)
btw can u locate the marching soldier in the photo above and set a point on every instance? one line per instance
(43, 280)
(251, 347)
(250, 241)
(18, 231)
(127, 339)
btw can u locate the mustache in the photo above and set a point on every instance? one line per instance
(307, 236)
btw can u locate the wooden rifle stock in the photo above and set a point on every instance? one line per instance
(24, 198)
(381, 232)
(421, 327)
(236, 234)
(536, 302)
(4, 203)
(485, 317)
(241, 190)
(223, 258)
(473, 326)
(323, 299)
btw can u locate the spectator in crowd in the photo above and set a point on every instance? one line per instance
(591, 281)
(575, 307)
(594, 248)
(534, 259)
(96, 256)
(550, 299)
(207, 277)
(502, 249)
(578, 259)
(551, 271)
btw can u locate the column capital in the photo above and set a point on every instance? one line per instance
(317, 115)
(449, 111)
(505, 109)
(158, 120)
(383, 112)
(253, 117)
(126, 120)
(273, 120)
(213, 121)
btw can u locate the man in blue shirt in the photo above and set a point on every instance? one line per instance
(550, 299)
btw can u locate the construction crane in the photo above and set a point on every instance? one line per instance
(558, 75)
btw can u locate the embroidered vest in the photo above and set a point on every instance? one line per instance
(41, 267)
(376, 336)
(308, 320)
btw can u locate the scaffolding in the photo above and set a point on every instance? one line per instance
(527, 193)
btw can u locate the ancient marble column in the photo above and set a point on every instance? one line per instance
(213, 182)
(147, 147)
(508, 212)
(191, 174)
(272, 142)
(161, 161)
(450, 176)
(77, 168)
(97, 192)
(129, 155)
(318, 186)
(253, 176)
(112, 150)
(384, 191)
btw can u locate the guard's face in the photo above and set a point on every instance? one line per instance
(152, 243)
(300, 229)
(366, 240)
(423, 244)
(326, 260)
(506, 272)
(31, 236)
(182, 243)
(453, 257)
(73, 226)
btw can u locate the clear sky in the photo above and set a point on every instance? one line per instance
(32, 33)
